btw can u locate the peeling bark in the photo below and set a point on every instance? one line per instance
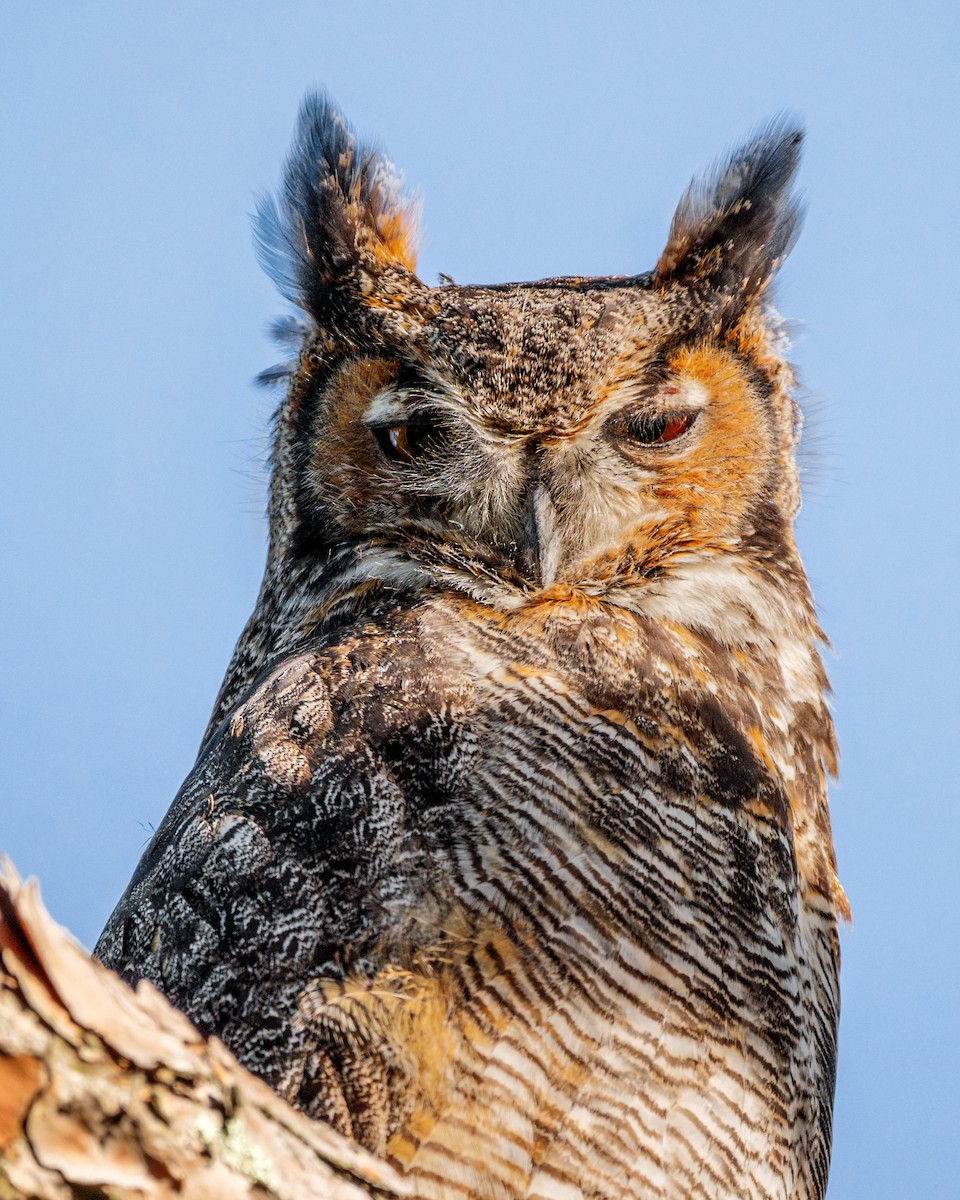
(109, 1092)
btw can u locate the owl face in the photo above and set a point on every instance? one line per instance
(592, 464)
(586, 433)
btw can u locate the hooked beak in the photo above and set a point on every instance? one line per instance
(540, 547)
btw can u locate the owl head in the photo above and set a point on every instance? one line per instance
(604, 435)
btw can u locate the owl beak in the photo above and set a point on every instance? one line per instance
(540, 548)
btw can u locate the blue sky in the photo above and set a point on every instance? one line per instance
(544, 139)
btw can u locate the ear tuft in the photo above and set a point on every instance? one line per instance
(736, 225)
(341, 206)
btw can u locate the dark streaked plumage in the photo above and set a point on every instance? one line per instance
(507, 850)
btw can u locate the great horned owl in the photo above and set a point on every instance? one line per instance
(507, 850)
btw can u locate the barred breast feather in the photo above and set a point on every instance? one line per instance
(565, 938)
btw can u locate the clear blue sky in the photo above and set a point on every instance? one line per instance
(545, 139)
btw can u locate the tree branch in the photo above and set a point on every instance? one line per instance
(108, 1092)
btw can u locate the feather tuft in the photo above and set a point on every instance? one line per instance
(341, 206)
(735, 225)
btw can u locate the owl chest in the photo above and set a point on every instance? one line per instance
(618, 803)
(599, 850)
(615, 936)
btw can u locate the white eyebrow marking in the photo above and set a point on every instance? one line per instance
(681, 392)
(676, 392)
(694, 393)
(386, 408)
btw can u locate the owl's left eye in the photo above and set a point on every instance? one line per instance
(651, 430)
(404, 443)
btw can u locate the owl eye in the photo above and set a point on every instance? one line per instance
(406, 442)
(651, 430)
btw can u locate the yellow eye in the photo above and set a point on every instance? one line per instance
(404, 443)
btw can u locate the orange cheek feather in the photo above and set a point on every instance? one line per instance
(721, 475)
(344, 456)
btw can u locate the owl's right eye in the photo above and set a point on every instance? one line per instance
(404, 443)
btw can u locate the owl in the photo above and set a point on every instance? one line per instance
(507, 849)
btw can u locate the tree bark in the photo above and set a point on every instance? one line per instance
(109, 1092)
